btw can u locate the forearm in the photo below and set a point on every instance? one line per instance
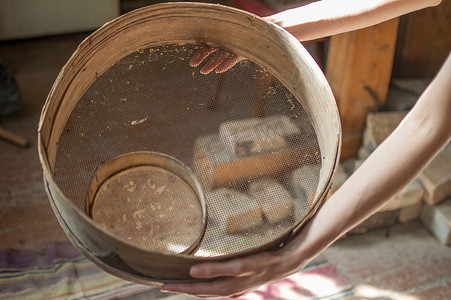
(328, 17)
(398, 160)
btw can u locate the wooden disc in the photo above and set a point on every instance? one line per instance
(149, 207)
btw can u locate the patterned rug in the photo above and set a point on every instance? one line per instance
(60, 272)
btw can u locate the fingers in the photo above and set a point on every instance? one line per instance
(236, 277)
(201, 54)
(217, 59)
(222, 60)
(214, 270)
(228, 63)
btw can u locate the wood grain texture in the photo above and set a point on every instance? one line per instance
(423, 42)
(178, 23)
(359, 69)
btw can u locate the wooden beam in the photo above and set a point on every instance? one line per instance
(358, 68)
(424, 42)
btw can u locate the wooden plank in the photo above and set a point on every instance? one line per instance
(423, 42)
(249, 149)
(358, 68)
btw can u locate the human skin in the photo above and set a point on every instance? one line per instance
(317, 20)
(420, 136)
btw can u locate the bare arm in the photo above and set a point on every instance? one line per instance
(424, 131)
(317, 20)
(329, 17)
(397, 161)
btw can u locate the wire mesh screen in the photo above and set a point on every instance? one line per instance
(248, 140)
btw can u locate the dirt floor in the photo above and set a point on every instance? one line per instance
(400, 262)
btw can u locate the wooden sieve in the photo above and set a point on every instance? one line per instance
(150, 200)
(253, 150)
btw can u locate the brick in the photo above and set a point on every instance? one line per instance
(399, 100)
(379, 125)
(303, 183)
(348, 165)
(218, 164)
(358, 163)
(412, 86)
(364, 153)
(410, 195)
(436, 177)
(209, 155)
(233, 210)
(410, 213)
(437, 219)
(377, 220)
(274, 199)
(244, 138)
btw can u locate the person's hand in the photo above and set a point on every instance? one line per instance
(240, 276)
(222, 60)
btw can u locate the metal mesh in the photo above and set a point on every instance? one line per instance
(245, 136)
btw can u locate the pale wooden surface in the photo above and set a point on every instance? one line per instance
(128, 35)
(423, 42)
(358, 69)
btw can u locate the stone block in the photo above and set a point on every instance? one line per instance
(377, 220)
(358, 163)
(303, 183)
(410, 195)
(235, 156)
(348, 165)
(379, 125)
(410, 213)
(404, 93)
(437, 219)
(275, 201)
(232, 210)
(412, 86)
(364, 153)
(436, 177)
(398, 100)
(244, 138)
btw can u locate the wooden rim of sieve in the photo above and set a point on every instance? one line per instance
(135, 160)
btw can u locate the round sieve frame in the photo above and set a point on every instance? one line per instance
(159, 165)
(228, 28)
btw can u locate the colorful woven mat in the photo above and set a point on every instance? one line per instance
(59, 271)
